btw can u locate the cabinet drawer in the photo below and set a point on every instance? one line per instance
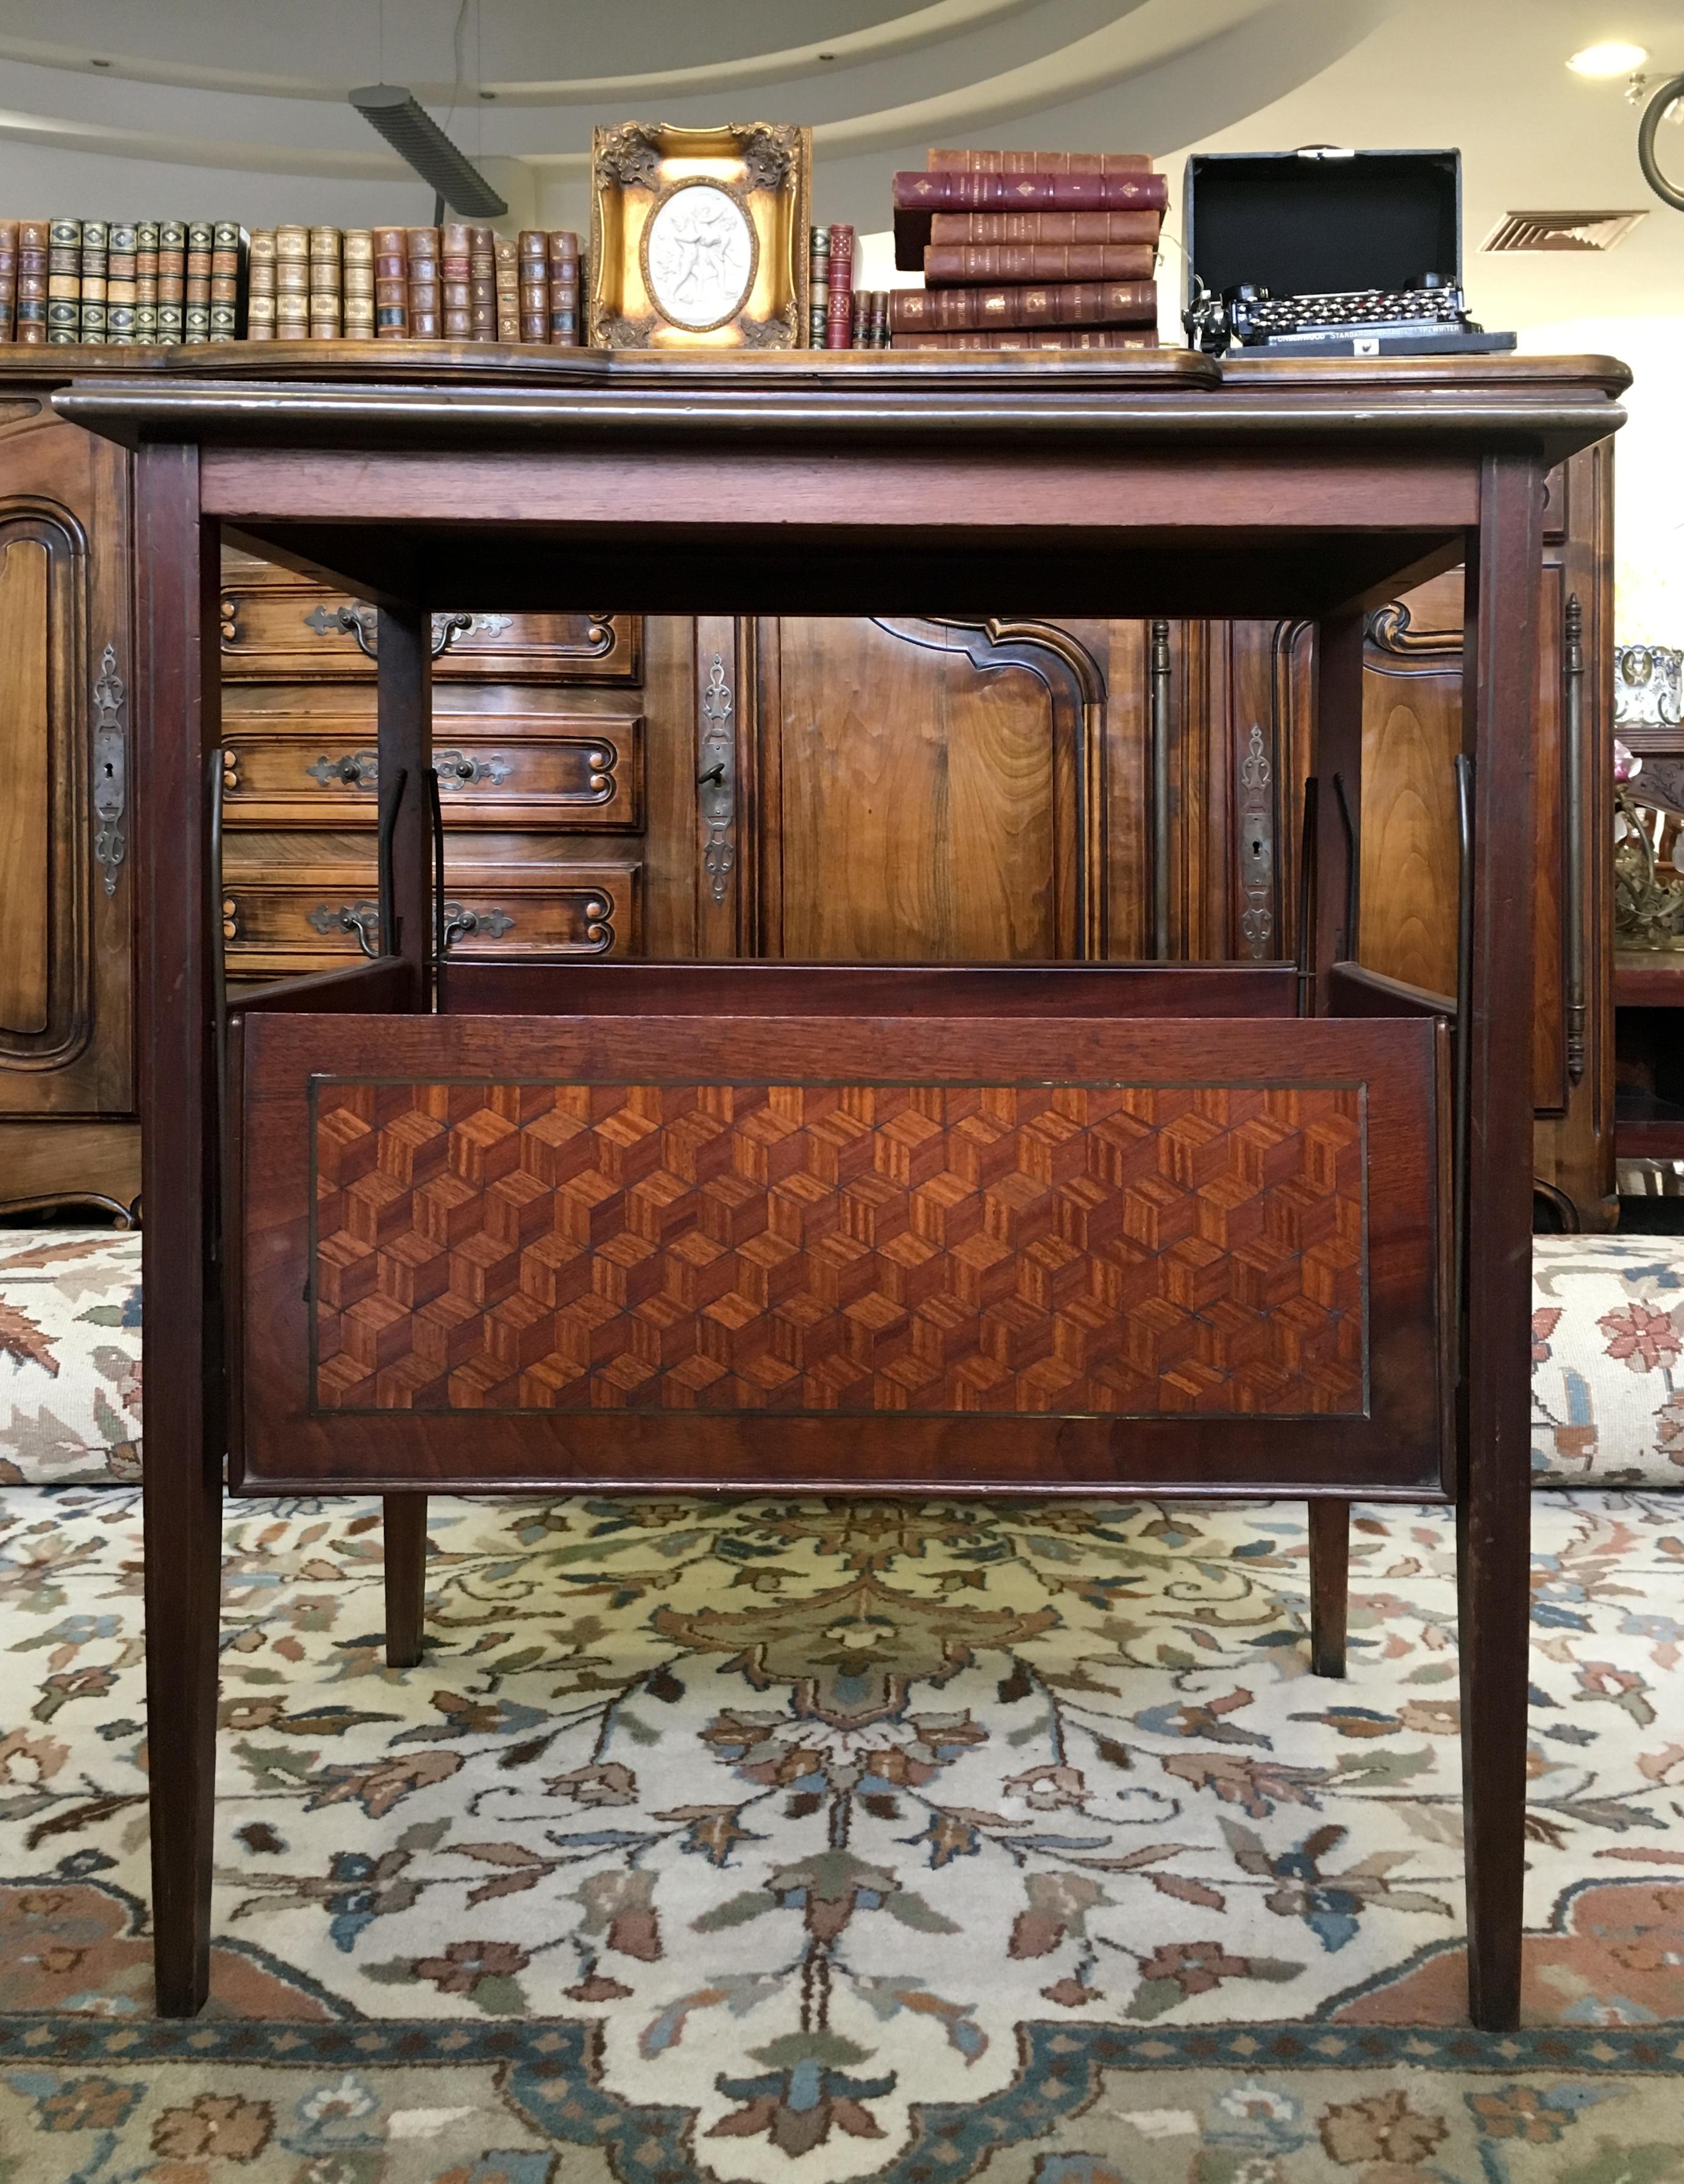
(537, 772)
(308, 917)
(278, 628)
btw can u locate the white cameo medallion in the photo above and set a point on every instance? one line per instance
(700, 252)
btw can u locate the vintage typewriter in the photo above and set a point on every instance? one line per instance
(1327, 252)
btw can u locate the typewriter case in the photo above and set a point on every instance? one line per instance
(1322, 222)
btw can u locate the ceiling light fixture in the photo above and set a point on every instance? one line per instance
(1613, 57)
(411, 130)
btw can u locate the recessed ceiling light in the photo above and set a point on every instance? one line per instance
(1615, 56)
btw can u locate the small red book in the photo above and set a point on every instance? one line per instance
(1045, 226)
(1035, 337)
(984, 264)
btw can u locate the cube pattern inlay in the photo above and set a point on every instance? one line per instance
(1070, 1249)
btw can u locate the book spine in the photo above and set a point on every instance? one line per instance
(34, 257)
(482, 284)
(1033, 337)
(172, 282)
(535, 284)
(982, 264)
(95, 275)
(564, 288)
(1040, 163)
(455, 311)
(8, 279)
(1054, 304)
(859, 334)
(356, 278)
(423, 247)
(1114, 227)
(506, 257)
(879, 320)
(146, 283)
(260, 287)
(228, 243)
(327, 289)
(64, 281)
(838, 323)
(818, 285)
(196, 301)
(916, 192)
(292, 284)
(391, 284)
(119, 285)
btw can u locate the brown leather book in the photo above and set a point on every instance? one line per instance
(533, 264)
(391, 284)
(1045, 227)
(1040, 162)
(563, 323)
(482, 284)
(422, 245)
(33, 259)
(1035, 337)
(984, 265)
(919, 196)
(506, 260)
(454, 269)
(1048, 304)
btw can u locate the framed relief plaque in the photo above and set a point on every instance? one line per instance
(698, 236)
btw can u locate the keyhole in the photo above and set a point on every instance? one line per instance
(110, 771)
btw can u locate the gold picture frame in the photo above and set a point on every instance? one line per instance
(698, 236)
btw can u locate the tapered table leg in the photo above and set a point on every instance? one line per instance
(404, 1527)
(1330, 1584)
(1494, 1487)
(177, 722)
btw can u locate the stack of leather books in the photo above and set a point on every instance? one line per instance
(1033, 250)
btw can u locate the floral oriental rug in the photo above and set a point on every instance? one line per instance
(717, 1843)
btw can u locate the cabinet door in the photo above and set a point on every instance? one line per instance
(924, 790)
(65, 871)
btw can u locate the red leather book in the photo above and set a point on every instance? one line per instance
(985, 264)
(1040, 163)
(1036, 337)
(1050, 303)
(1045, 226)
(919, 196)
(838, 323)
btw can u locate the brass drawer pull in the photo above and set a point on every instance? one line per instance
(362, 918)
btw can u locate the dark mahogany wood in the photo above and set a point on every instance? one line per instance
(1648, 982)
(391, 985)
(1329, 1585)
(176, 719)
(486, 1147)
(799, 487)
(1493, 1488)
(1080, 989)
(403, 1538)
(1353, 991)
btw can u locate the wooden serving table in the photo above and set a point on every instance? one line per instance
(1257, 1228)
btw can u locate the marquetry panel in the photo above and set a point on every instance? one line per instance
(1021, 1250)
(539, 771)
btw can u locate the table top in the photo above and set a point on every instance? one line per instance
(805, 481)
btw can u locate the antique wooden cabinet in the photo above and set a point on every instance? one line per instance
(616, 783)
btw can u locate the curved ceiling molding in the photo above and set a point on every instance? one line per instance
(236, 155)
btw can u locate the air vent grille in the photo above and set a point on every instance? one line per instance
(1561, 230)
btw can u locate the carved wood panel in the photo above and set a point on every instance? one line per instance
(931, 789)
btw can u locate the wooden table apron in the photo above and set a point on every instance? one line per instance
(905, 505)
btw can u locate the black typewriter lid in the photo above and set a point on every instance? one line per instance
(1321, 220)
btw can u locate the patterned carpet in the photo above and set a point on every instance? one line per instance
(813, 1842)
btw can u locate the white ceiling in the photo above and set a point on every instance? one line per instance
(223, 106)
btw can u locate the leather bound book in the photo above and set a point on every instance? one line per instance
(838, 323)
(818, 284)
(453, 320)
(422, 244)
(482, 284)
(1049, 304)
(146, 283)
(64, 281)
(119, 286)
(227, 249)
(1040, 162)
(506, 259)
(391, 284)
(261, 286)
(172, 282)
(984, 265)
(1046, 227)
(33, 254)
(1032, 337)
(356, 278)
(196, 306)
(327, 309)
(96, 267)
(8, 277)
(879, 320)
(918, 196)
(861, 334)
(532, 254)
(564, 288)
